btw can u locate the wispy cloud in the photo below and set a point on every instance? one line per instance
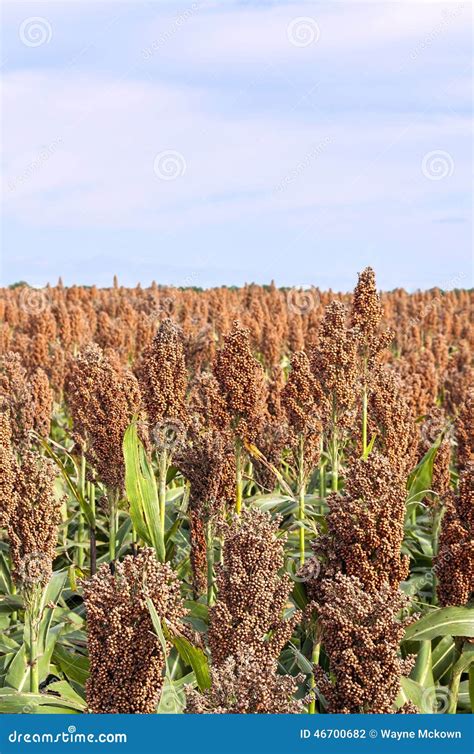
(188, 119)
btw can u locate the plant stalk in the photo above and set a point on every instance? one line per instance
(301, 498)
(312, 709)
(210, 563)
(32, 616)
(113, 515)
(163, 473)
(238, 477)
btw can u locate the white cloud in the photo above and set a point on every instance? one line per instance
(107, 133)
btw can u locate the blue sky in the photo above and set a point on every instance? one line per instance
(207, 143)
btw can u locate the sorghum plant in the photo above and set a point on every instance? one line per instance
(103, 398)
(362, 633)
(126, 657)
(242, 383)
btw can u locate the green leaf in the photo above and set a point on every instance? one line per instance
(66, 692)
(195, 658)
(442, 657)
(422, 672)
(172, 701)
(471, 687)
(12, 701)
(446, 621)
(465, 660)
(142, 493)
(192, 656)
(369, 448)
(74, 489)
(10, 604)
(73, 665)
(303, 663)
(411, 691)
(300, 595)
(19, 669)
(421, 478)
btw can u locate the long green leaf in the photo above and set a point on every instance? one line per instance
(19, 669)
(85, 506)
(411, 691)
(447, 621)
(142, 493)
(195, 658)
(421, 478)
(422, 672)
(12, 701)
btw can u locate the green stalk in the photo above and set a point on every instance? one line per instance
(322, 472)
(471, 687)
(455, 679)
(80, 540)
(92, 532)
(80, 517)
(312, 684)
(301, 497)
(163, 473)
(335, 461)
(113, 515)
(238, 477)
(454, 693)
(210, 563)
(32, 599)
(14, 615)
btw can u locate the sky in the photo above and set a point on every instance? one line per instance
(217, 143)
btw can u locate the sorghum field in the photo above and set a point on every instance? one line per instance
(251, 500)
